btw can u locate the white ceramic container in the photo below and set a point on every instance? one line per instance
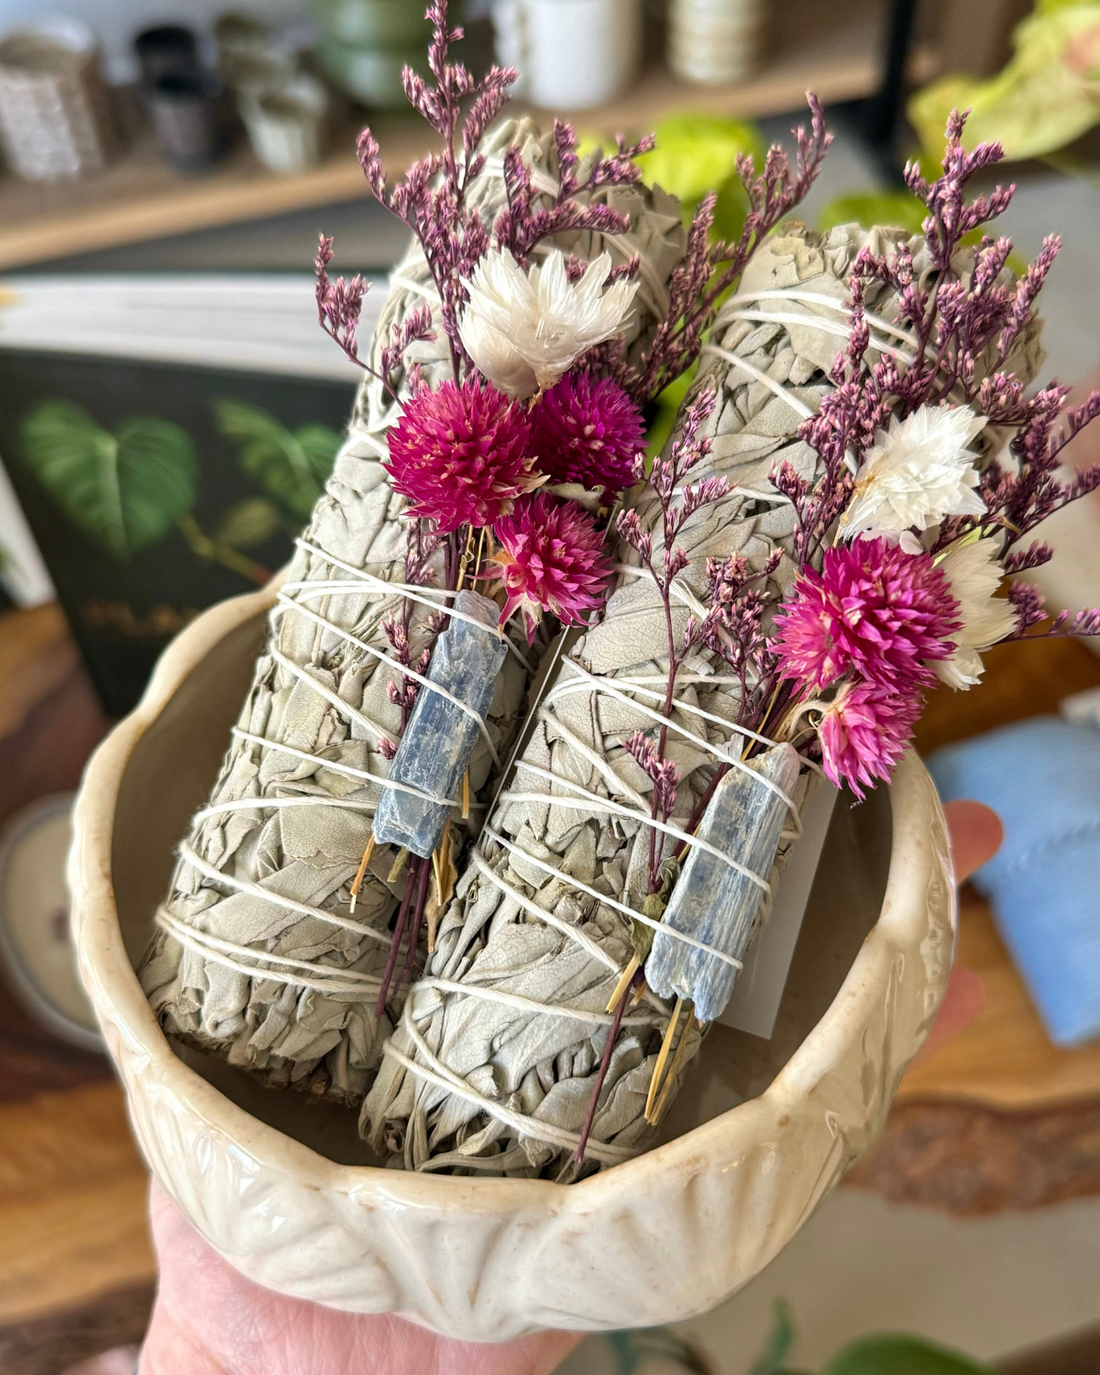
(570, 54)
(55, 120)
(283, 1188)
(286, 123)
(715, 42)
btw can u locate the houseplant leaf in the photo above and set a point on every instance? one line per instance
(248, 522)
(696, 153)
(1047, 96)
(900, 1356)
(290, 465)
(320, 445)
(125, 489)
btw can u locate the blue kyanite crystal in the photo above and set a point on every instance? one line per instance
(715, 903)
(440, 736)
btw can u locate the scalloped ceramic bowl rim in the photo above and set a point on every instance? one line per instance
(815, 1118)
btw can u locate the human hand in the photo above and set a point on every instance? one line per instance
(210, 1320)
(976, 835)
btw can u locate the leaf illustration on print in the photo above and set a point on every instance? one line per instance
(291, 465)
(124, 489)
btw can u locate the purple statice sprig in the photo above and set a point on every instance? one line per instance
(403, 695)
(733, 627)
(678, 499)
(839, 432)
(662, 773)
(963, 334)
(431, 199)
(1031, 611)
(963, 330)
(708, 269)
(340, 307)
(525, 221)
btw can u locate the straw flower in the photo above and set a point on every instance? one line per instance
(918, 472)
(973, 571)
(524, 330)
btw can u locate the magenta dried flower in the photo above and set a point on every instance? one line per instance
(461, 455)
(589, 431)
(873, 609)
(550, 559)
(864, 733)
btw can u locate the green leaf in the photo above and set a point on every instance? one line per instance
(1047, 96)
(320, 446)
(248, 522)
(1051, 6)
(124, 490)
(291, 466)
(900, 1356)
(773, 1358)
(696, 153)
(899, 209)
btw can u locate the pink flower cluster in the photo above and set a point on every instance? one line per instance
(468, 456)
(550, 559)
(871, 622)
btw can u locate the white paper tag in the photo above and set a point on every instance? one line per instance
(760, 984)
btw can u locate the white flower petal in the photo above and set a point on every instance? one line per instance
(918, 472)
(974, 572)
(524, 330)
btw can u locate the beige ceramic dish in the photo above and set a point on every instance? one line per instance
(285, 1191)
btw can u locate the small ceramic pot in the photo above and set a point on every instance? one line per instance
(715, 42)
(372, 23)
(372, 75)
(35, 940)
(55, 119)
(287, 1192)
(187, 112)
(285, 123)
(250, 56)
(570, 54)
(164, 50)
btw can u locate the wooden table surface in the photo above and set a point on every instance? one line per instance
(996, 1118)
(76, 1265)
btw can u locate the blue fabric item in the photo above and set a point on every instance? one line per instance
(1042, 777)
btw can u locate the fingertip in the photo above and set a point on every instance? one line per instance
(976, 835)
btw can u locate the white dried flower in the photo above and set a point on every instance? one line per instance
(524, 330)
(918, 472)
(973, 569)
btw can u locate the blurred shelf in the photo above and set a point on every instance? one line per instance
(140, 198)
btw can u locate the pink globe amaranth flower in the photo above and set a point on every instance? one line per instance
(864, 732)
(461, 455)
(873, 609)
(550, 559)
(587, 430)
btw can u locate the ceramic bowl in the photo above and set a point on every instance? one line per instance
(282, 1186)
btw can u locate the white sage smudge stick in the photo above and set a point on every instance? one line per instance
(493, 1066)
(260, 954)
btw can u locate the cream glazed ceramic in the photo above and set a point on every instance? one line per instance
(285, 1191)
